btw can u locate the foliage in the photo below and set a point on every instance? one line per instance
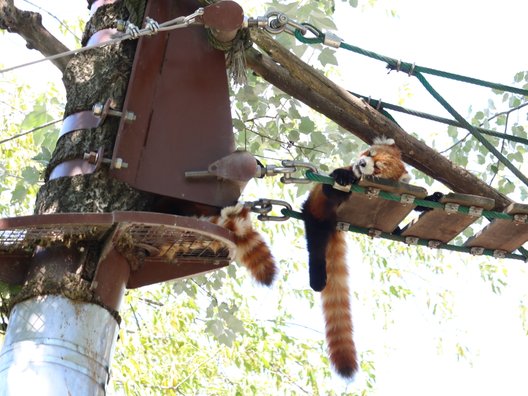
(219, 333)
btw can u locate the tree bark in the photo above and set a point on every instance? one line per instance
(290, 74)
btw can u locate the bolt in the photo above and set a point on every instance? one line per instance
(101, 110)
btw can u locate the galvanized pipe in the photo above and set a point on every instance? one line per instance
(56, 346)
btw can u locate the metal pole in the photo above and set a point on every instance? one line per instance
(55, 346)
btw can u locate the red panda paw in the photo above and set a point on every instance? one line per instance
(344, 176)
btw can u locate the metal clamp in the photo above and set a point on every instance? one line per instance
(451, 208)
(373, 233)
(264, 206)
(520, 218)
(433, 244)
(407, 199)
(475, 211)
(476, 251)
(410, 240)
(372, 192)
(342, 226)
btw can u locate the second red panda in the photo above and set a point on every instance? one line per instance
(326, 246)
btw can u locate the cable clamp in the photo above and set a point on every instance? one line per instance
(342, 226)
(411, 70)
(332, 40)
(152, 25)
(263, 206)
(132, 30)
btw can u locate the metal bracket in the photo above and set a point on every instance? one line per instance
(373, 233)
(373, 192)
(411, 240)
(434, 244)
(342, 226)
(451, 208)
(407, 199)
(477, 251)
(499, 253)
(520, 218)
(475, 211)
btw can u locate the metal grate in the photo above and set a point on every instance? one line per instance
(26, 238)
(170, 243)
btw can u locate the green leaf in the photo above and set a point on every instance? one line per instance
(30, 175)
(327, 57)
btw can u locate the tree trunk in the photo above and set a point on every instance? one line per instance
(61, 334)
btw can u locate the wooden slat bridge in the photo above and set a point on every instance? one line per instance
(377, 207)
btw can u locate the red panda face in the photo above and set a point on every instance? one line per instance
(382, 159)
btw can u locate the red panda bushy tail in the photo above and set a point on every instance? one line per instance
(336, 308)
(251, 249)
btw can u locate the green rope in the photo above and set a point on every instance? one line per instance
(421, 242)
(397, 198)
(378, 104)
(471, 129)
(407, 67)
(417, 71)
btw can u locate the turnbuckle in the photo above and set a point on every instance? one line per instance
(263, 206)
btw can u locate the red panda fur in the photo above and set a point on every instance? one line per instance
(382, 159)
(251, 249)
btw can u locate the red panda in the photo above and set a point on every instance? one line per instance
(251, 249)
(327, 246)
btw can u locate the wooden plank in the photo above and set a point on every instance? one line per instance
(501, 234)
(441, 225)
(366, 210)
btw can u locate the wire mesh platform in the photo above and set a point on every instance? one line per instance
(158, 247)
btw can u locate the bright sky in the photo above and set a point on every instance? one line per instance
(483, 39)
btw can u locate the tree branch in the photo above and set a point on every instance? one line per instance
(296, 78)
(29, 26)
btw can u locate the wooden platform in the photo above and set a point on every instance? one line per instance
(505, 235)
(443, 225)
(370, 211)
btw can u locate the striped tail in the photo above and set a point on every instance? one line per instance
(336, 308)
(251, 249)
